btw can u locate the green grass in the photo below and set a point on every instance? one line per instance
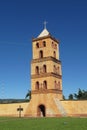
(43, 123)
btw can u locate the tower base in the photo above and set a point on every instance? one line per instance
(44, 105)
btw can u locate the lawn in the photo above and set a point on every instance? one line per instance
(65, 123)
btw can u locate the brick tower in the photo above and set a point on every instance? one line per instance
(46, 76)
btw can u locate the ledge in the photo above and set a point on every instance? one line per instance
(50, 58)
(41, 75)
(45, 91)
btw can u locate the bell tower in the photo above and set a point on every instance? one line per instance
(46, 76)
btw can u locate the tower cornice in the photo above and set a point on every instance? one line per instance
(50, 58)
(46, 91)
(45, 37)
(41, 75)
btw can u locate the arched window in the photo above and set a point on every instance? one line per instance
(37, 45)
(58, 70)
(54, 69)
(37, 85)
(37, 70)
(58, 85)
(55, 84)
(44, 69)
(45, 84)
(44, 43)
(54, 54)
(41, 54)
(52, 44)
(55, 46)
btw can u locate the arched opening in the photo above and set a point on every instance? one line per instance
(54, 54)
(55, 84)
(55, 46)
(41, 54)
(37, 45)
(37, 70)
(44, 43)
(52, 44)
(54, 69)
(44, 68)
(37, 85)
(58, 86)
(58, 70)
(41, 111)
(45, 85)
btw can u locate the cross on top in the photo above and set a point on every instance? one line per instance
(45, 24)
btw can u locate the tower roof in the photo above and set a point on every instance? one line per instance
(44, 33)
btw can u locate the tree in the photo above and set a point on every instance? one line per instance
(81, 95)
(70, 97)
(64, 97)
(28, 94)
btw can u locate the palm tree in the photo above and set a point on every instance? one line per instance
(28, 94)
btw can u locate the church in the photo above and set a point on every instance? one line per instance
(46, 84)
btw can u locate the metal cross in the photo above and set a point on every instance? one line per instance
(45, 24)
(20, 109)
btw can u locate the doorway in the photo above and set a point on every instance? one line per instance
(41, 111)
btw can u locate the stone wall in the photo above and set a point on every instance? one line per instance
(75, 108)
(11, 109)
(70, 108)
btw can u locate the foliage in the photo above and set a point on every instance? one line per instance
(65, 123)
(64, 97)
(70, 97)
(8, 101)
(28, 95)
(81, 95)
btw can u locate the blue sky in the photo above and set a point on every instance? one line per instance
(20, 21)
